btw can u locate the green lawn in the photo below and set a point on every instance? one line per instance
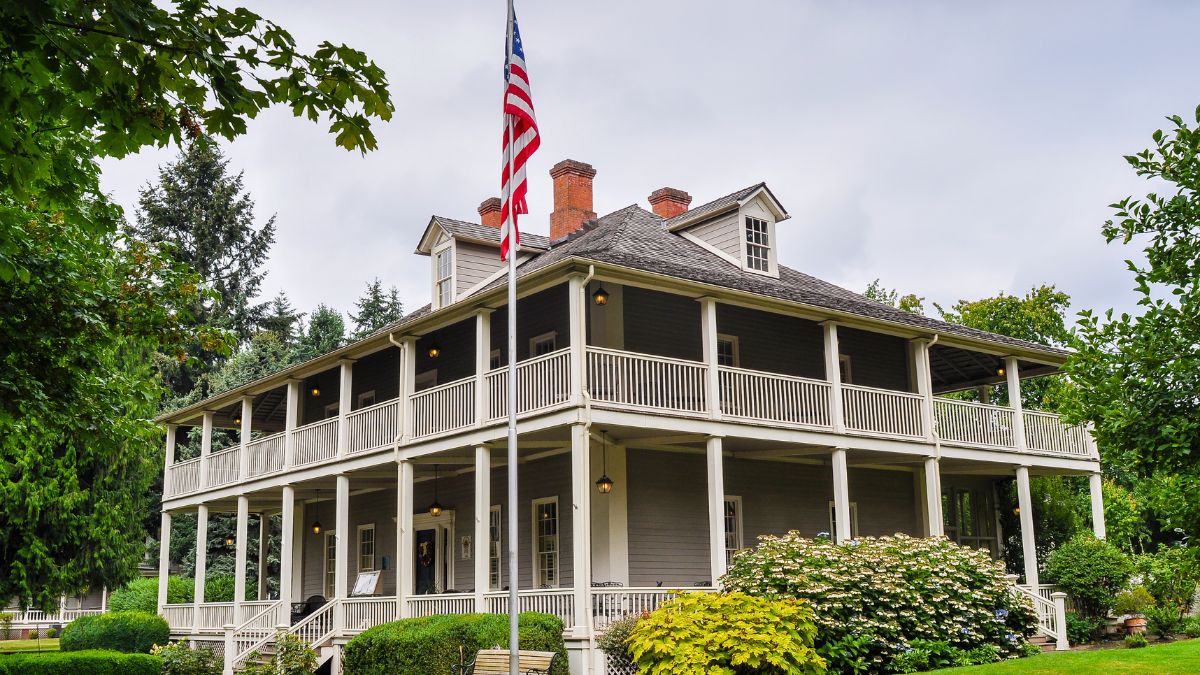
(47, 645)
(1176, 657)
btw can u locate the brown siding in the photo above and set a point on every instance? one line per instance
(662, 324)
(378, 372)
(774, 342)
(876, 360)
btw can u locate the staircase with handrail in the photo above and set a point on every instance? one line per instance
(316, 630)
(1051, 614)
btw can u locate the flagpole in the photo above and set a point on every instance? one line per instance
(514, 246)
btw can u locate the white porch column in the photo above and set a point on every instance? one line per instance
(1096, 487)
(578, 324)
(934, 523)
(483, 363)
(244, 452)
(1028, 543)
(239, 556)
(841, 496)
(404, 536)
(201, 559)
(1012, 372)
(104, 599)
(299, 530)
(345, 403)
(716, 508)
(164, 558)
(581, 527)
(342, 536)
(287, 541)
(206, 428)
(292, 415)
(833, 373)
(264, 528)
(483, 512)
(924, 382)
(408, 380)
(708, 337)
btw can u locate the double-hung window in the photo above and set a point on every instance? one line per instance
(443, 276)
(330, 563)
(495, 522)
(727, 351)
(758, 245)
(366, 547)
(733, 527)
(545, 542)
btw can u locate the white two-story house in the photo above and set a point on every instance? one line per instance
(681, 392)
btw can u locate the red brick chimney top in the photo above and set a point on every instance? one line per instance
(572, 197)
(669, 202)
(489, 212)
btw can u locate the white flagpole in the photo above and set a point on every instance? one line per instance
(513, 248)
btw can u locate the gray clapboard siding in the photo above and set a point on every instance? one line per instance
(378, 372)
(662, 324)
(722, 233)
(543, 312)
(876, 359)
(774, 343)
(473, 264)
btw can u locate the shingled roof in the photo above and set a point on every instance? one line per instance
(491, 235)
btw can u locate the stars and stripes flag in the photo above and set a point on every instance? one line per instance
(521, 137)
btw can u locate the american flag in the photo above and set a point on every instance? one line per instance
(521, 137)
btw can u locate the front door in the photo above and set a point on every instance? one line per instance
(426, 561)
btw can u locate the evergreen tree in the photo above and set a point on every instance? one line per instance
(376, 309)
(199, 210)
(326, 332)
(283, 320)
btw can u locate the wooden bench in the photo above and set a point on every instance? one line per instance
(495, 662)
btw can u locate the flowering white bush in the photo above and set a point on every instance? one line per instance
(872, 596)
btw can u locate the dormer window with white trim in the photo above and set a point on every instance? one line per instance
(443, 276)
(758, 244)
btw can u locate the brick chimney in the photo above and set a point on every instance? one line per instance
(489, 212)
(669, 202)
(572, 197)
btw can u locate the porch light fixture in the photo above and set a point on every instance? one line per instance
(434, 351)
(1000, 371)
(237, 421)
(600, 297)
(229, 541)
(604, 484)
(316, 525)
(315, 391)
(435, 509)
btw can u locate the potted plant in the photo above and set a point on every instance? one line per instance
(1134, 604)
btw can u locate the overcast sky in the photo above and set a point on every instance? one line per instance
(952, 149)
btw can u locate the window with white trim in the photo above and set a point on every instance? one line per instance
(758, 244)
(542, 344)
(331, 410)
(443, 276)
(366, 547)
(853, 520)
(727, 350)
(733, 527)
(495, 554)
(366, 399)
(545, 542)
(494, 359)
(845, 370)
(330, 563)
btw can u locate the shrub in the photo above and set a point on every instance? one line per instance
(1191, 626)
(873, 596)
(1165, 622)
(923, 655)
(1136, 601)
(1082, 629)
(92, 662)
(6, 621)
(181, 659)
(51, 633)
(1171, 575)
(1092, 571)
(118, 631)
(726, 633)
(141, 595)
(433, 644)
(292, 656)
(218, 588)
(614, 641)
(1136, 641)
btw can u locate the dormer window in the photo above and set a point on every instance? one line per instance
(443, 276)
(758, 245)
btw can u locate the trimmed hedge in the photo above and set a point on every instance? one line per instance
(432, 644)
(92, 662)
(141, 595)
(134, 632)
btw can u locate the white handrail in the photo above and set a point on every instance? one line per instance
(373, 427)
(1046, 432)
(315, 442)
(646, 382)
(223, 467)
(184, 477)
(542, 382)
(259, 626)
(444, 408)
(1051, 614)
(265, 455)
(314, 630)
(962, 422)
(757, 395)
(869, 410)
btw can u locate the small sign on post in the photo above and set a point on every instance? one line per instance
(367, 583)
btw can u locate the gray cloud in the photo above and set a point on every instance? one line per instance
(951, 149)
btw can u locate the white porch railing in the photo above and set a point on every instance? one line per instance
(441, 603)
(180, 617)
(557, 601)
(37, 616)
(315, 442)
(262, 619)
(214, 615)
(646, 382)
(373, 427)
(1051, 613)
(314, 630)
(363, 613)
(542, 383)
(445, 408)
(265, 455)
(223, 467)
(1045, 432)
(882, 411)
(184, 477)
(973, 423)
(755, 395)
(610, 604)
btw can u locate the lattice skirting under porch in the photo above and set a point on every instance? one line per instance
(618, 666)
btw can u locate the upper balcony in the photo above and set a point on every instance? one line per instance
(758, 373)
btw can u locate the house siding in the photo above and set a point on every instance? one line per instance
(662, 324)
(543, 312)
(876, 359)
(473, 264)
(721, 233)
(774, 343)
(378, 372)
(456, 343)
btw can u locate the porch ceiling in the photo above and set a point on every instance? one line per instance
(955, 369)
